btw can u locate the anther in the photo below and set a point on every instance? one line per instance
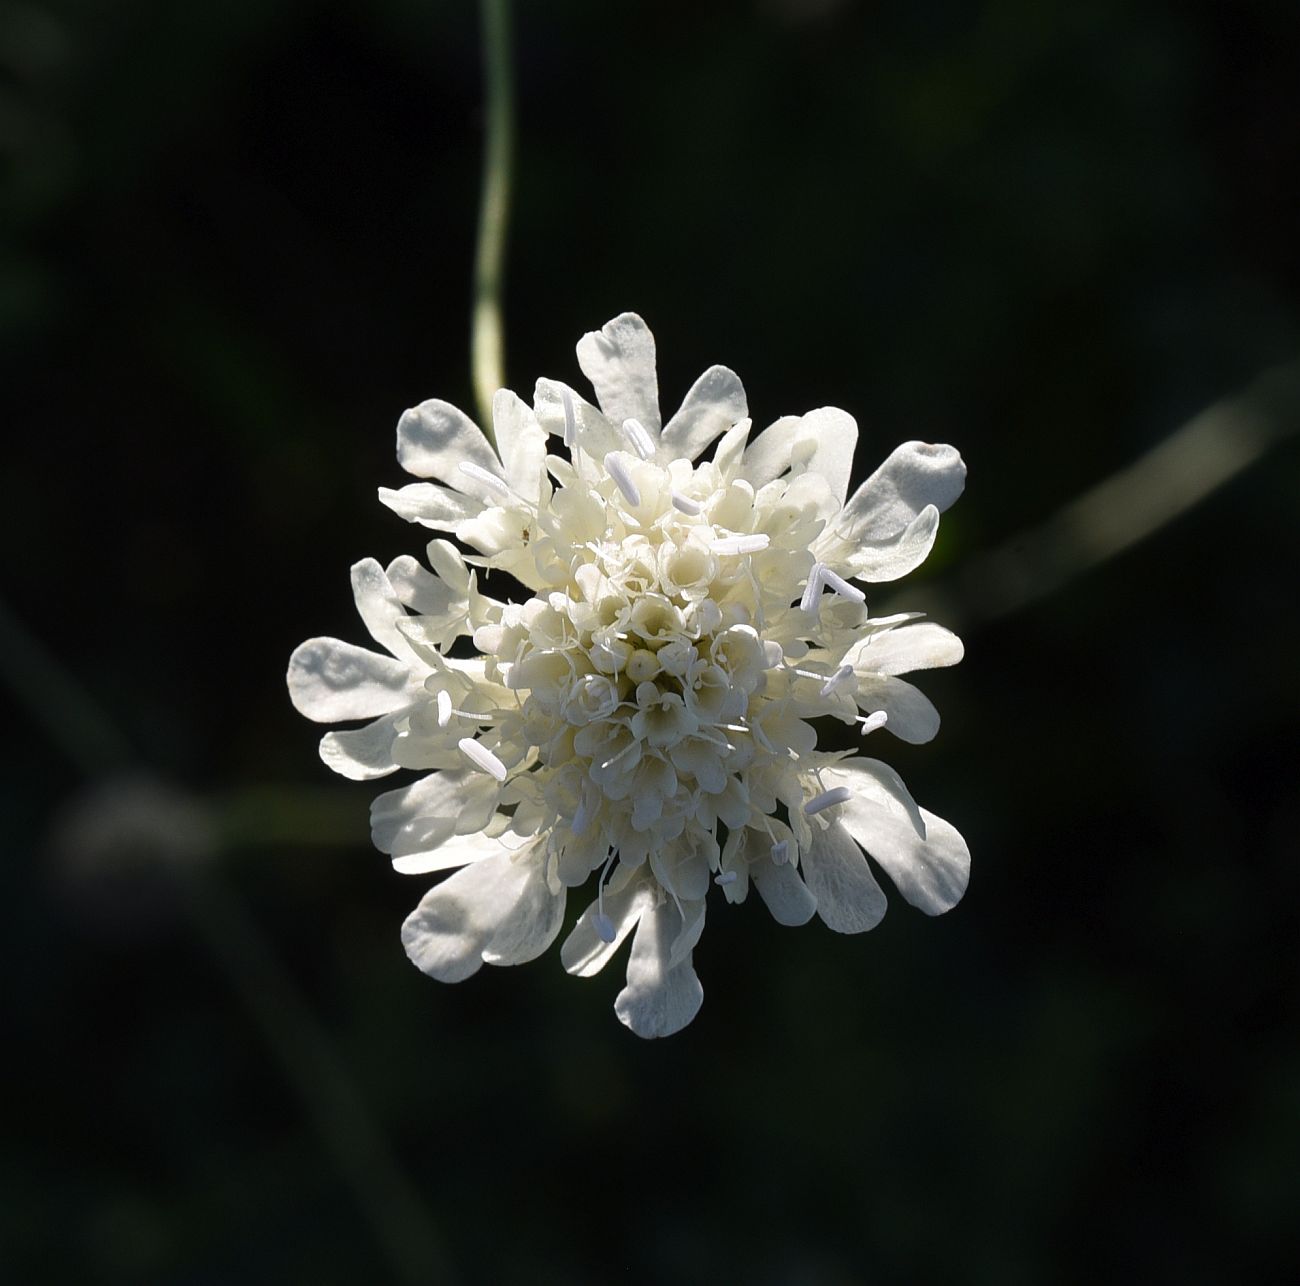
(780, 852)
(873, 721)
(741, 544)
(686, 504)
(570, 420)
(827, 799)
(489, 480)
(622, 479)
(727, 877)
(444, 708)
(833, 581)
(604, 927)
(813, 590)
(482, 758)
(837, 681)
(642, 442)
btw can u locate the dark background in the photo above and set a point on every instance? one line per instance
(238, 241)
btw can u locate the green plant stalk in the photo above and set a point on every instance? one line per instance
(487, 359)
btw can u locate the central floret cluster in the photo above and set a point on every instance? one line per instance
(666, 686)
(647, 713)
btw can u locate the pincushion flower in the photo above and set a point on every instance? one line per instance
(647, 719)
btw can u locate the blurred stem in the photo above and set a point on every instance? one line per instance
(1158, 487)
(308, 1059)
(305, 816)
(57, 703)
(74, 722)
(487, 361)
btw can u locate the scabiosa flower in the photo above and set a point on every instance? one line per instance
(647, 717)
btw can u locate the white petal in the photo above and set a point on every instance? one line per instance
(498, 910)
(522, 444)
(912, 716)
(930, 873)
(619, 360)
(731, 449)
(916, 474)
(434, 439)
(533, 922)
(658, 1000)
(379, 607)
(420, 590)
(584, 952)
(594, 434)
(848, 898)
(784, 894)
(870, 784)
(692, 928)
(923, 646)
(888, 560)
(767, 457)
(456, 850)
(716, 402)
(431, 505)
(418, 818)
(362, 754)
(331, 682)
(824, 444)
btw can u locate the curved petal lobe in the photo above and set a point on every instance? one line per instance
(659, 998)
(848, 898)
(331, 682)
(498, 910)
(619, 360)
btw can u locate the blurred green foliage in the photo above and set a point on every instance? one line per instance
(237, 241)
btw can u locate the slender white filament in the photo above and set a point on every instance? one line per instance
(741, 544)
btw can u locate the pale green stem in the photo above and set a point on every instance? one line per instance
(335, 1106)
(487, 361)
(57, 703)
(1158, 487)
(298, 1042)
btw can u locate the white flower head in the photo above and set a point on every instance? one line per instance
(647, 718)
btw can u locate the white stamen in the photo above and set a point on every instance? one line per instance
(686, 504)
(622, 479)
(444, 708)
(627, 750)
(780, 852)
(827, 799)
(604, 927)
(813, 590)
(481, 757)
(874, 721)
(642, 443)
(741, 544)
(837, 681)
(841, 586)
(727, 877)
(570, 420)
(489, 480)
